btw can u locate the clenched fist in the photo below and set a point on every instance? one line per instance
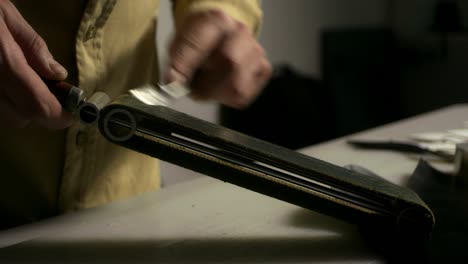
(219, 58)
(24, 61)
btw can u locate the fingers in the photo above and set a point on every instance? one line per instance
(235, 73)
(195, 42)
(33, 46)
(23, 94)
(219, 58)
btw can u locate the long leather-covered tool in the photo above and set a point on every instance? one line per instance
(260, 166)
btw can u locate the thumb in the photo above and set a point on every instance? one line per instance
(33, 46)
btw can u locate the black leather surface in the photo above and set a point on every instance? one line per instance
(399, 210)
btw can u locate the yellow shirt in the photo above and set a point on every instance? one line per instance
(106, 45)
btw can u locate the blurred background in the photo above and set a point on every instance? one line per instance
(344, 66)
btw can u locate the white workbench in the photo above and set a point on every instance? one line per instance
(208, 221)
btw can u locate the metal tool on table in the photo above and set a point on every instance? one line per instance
(443, 151)
(440, 144)
(210, 149)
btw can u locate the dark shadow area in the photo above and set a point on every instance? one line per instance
(448, 200)
(338, 241)
(360, 69)
(373, 242)
(187, 250)
(358, 90)
(293, 111)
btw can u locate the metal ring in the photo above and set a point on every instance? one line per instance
(131, 124)
(88, 113)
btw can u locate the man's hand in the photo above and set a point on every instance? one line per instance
(24, 59)
(219, 58)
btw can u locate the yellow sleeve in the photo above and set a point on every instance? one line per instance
(245, 11)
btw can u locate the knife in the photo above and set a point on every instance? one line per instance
(161, 94)
(72, 97)
(444, 151)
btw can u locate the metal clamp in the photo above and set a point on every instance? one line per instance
(89, 110)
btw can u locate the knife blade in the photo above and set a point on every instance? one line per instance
(161, 94)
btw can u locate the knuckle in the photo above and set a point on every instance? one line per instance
(181, 71)
(240, 96)
(230, 57)
(177, 61)
(217, 18)
(183, 54)
(37, 43)
(186, 41)
(242, 29)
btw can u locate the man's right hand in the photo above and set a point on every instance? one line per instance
(24, 61)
